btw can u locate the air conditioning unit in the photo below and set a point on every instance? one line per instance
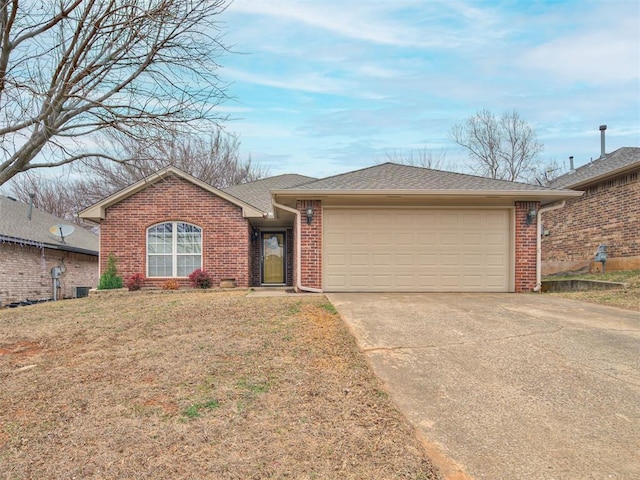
(81, 292)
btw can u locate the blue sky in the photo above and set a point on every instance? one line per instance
(324, 87)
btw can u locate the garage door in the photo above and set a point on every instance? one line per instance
(416, 250)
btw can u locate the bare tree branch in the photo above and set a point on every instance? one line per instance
(423, 157)
(505, 148)
(76, 68)
(214, 160)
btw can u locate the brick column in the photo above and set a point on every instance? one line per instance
(526, 236)
(310, 244)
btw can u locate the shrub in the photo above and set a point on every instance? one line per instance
(110, 278)
(135, 282)
(200, 279)
(171, 285)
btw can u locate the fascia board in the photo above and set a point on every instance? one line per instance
(442, 193)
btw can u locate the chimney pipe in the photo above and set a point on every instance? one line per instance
(602, 150)
(31, 196)
(571, 163)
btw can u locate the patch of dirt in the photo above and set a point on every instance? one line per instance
(23, 349)
(195, 385)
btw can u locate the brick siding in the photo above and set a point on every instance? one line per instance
(311, 244)
(26, 272)
(225, 233)
(607, 213)
(526, 247)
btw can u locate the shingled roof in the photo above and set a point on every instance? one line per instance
(258, 193)
(393, 176)
(612, 164)
(17, 228)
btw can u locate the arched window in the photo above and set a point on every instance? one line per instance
(174, 249)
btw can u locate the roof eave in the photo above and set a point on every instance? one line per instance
(604, 176)
(563, 193)
(35, 243)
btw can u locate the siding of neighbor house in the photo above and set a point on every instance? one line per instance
(225, 233)
(608, 213)
(25, 272)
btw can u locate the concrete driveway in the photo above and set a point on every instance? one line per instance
(506, 386)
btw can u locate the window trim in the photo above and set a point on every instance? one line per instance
(174, 247)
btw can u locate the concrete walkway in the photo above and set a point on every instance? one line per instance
(507, 386)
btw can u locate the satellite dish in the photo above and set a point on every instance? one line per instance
(61, 231)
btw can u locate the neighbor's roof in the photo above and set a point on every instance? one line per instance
(613, 164)
(258, 193)
(404, 178)
(15, 227)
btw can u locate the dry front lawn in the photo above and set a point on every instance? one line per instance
(628, 298)
(188, 385)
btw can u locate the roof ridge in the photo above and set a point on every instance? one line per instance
(268, 178)
(423, 169)
(345, 173)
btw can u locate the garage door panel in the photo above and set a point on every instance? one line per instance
(404, 259)
(416, 250)
(358, 260)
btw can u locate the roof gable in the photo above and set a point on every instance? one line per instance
(612, 164)
(16, 227)
(96, 212)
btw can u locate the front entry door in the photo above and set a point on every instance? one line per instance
(273, 254)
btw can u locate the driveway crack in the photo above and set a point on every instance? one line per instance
(456, 344)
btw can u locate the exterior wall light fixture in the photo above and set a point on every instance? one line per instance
(309, 215)
(531, 215)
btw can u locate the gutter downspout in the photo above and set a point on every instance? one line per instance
(538, 286)
(296, 212)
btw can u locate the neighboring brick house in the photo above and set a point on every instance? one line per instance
(28, 252)
(608, 213)
(385, 228)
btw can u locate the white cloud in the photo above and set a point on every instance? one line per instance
(597, 55)
(380, 22)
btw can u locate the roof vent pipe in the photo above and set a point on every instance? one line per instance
(571, 163)
(602, 151)
(31, 196)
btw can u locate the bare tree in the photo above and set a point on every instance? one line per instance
(60, 196)
(423, 157)
(70, 69)
(504, 148)
(214, 160)
(548, 172)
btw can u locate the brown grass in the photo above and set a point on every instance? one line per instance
(194, 385)
(628, 299)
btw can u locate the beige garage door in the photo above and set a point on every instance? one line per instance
(416, 250)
